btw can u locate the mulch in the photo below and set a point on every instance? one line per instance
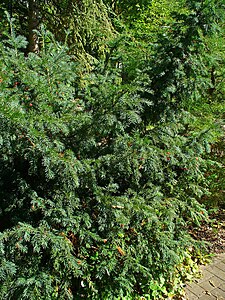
(213, 233)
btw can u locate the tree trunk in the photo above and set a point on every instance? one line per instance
(33, 44)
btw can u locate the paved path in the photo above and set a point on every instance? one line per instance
(211, 286)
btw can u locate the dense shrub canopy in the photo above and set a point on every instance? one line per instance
(102, 172)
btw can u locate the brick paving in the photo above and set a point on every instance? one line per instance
(211, 286)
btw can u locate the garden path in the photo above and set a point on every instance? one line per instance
(211, 286)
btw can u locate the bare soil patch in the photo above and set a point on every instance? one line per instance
(212, 233)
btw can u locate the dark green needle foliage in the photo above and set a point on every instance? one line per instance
(100, 176)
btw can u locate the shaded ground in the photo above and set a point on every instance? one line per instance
(213, 233)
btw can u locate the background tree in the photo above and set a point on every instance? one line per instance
(85, 21)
